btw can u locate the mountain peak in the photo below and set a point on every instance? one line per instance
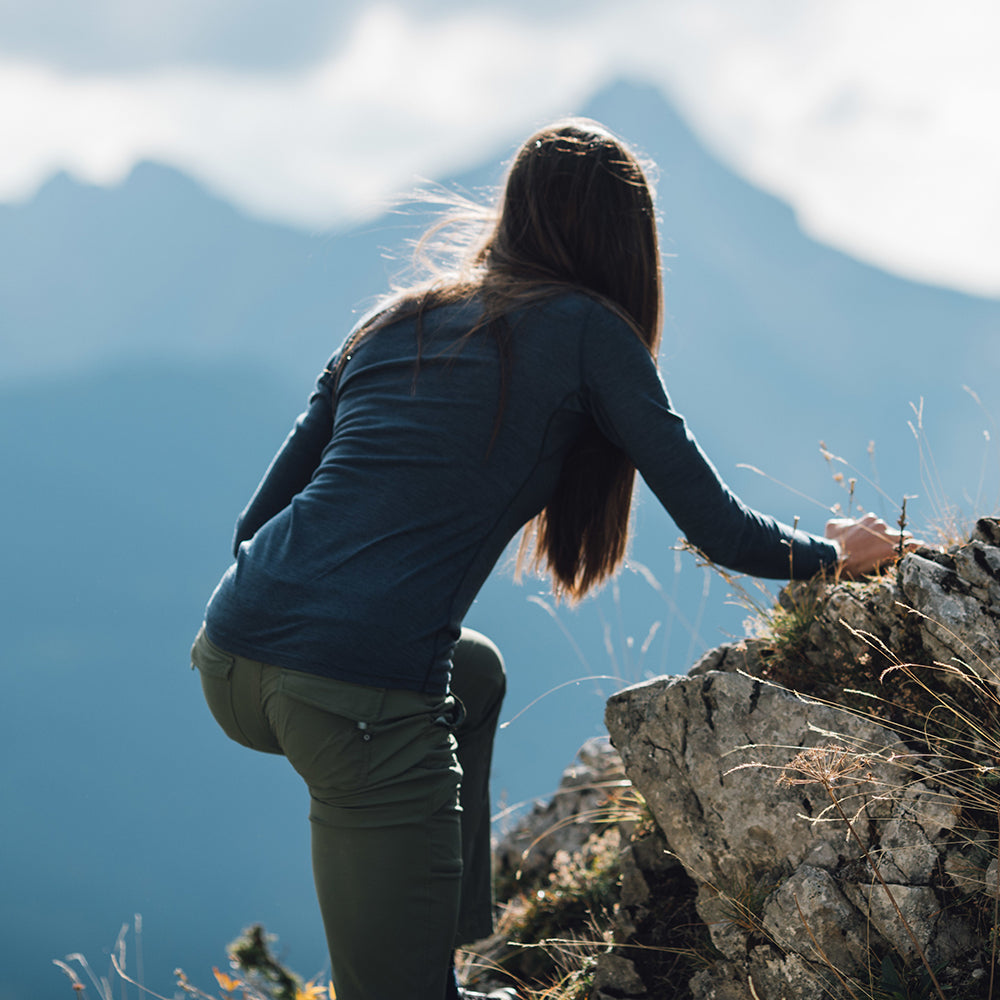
(147, 179)
(147, 175)
(62, 183)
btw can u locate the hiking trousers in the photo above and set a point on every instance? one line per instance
(399, 806)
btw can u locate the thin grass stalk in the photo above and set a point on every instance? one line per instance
(139, 965)
(78, 985)
(558, 687)
(102, 986)
(996, 914)
(143, 989)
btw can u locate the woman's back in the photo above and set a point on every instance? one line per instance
(432, 468)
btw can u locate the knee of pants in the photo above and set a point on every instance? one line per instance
(477, 665)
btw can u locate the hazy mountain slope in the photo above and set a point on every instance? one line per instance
(158, 267)
(121, 798)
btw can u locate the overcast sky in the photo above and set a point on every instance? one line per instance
(875, 119)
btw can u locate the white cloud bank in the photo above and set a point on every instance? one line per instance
(403, 97)
(873, 118)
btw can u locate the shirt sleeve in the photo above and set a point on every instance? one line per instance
(627, 399)
(293, 466)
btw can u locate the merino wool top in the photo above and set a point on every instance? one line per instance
(370, 535)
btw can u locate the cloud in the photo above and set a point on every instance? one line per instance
(403, 97)
(105, 36)
(114, 36)
(875, 121)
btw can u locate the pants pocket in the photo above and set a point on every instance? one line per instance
(352, 701)
(325, 729)
(215, 666)
(209, 659)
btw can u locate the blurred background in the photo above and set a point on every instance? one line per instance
(197, 200)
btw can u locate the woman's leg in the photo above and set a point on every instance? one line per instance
(389, 900)
(386, 827)
(386, 834)
(479, 682)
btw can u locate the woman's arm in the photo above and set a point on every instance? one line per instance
(293, 466)
(631, 407)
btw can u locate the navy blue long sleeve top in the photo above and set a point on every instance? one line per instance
(370, 535)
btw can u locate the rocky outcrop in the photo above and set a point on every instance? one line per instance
(565, 822)
(817, 811)
(837, 838)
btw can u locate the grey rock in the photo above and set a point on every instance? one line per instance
(707, 753)
(788, 812)
(564, 823)
(616, 977)
(918, 904)
(958, 607)
(987, 530)
(809, 915)
(721, 981)
(784, 808)
(788, 976)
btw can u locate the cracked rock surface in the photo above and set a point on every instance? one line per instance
(790, 811)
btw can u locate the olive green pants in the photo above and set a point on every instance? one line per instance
(400, 817)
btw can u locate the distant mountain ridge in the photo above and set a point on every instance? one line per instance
(160, 264)
(156, 345)
(160, 268)
(155, 267)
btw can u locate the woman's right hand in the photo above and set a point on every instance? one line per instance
(867, 544)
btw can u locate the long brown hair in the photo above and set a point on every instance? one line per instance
(576, 210)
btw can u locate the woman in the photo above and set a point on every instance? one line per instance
(519, 389)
